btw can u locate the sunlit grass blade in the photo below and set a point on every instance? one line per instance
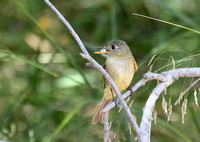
(30, 62)
(170, 23)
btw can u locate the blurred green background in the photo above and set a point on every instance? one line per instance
(48, 94)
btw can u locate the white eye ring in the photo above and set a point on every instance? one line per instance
(113, 47)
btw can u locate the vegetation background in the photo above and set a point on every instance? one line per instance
(48, 94)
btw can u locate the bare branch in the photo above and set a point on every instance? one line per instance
(183, 72)
(171, 76)
(183, 93)
(145, 125)
(151, 76)
(106, 127)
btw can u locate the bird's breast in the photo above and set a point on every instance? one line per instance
(121, 71)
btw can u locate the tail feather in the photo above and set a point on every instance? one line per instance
(99, 115)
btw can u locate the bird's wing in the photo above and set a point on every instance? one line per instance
(104, 79)
(135, 65)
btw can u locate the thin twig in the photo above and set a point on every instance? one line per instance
(183, 93)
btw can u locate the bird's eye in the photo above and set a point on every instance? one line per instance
(113, 46)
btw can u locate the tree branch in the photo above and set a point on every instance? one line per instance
(106, 127)
(171, 76)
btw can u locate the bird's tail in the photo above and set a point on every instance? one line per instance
(99, 115)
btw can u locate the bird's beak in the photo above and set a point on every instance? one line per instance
(102, 51)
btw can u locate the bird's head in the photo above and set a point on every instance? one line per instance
(115, 49)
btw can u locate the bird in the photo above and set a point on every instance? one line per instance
(121, 66)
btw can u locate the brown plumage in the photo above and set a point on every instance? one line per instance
(121, 66)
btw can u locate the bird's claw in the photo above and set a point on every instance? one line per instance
(129, 88)
(116, 102)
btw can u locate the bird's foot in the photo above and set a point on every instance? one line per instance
(129, 88)
(116, 102)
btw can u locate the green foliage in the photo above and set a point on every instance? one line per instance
(48, 94)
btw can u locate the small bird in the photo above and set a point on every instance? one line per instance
(121, 66)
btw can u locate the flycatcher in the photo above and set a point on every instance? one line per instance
(121, 66)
